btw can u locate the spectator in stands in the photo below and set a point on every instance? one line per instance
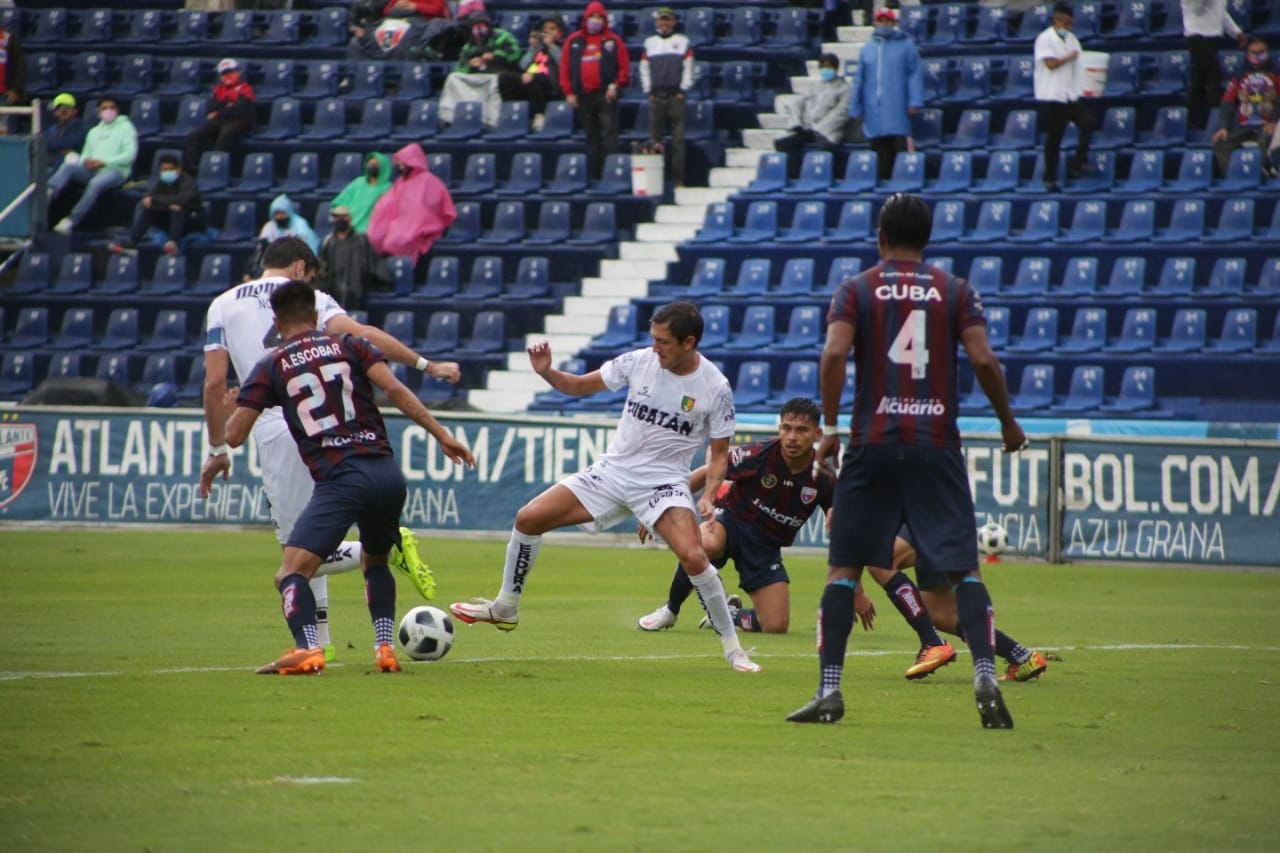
(1204, 23)
(1248, 113)
(13, 69)
(408, 29)
(104, 163)
(889, 90)
(539, 81)
(66, 134)
(228, 118)
(489, 51)
(594, 66)
(363, 193)
(1059, 87)
(666, 73)
(819, 116)
(172, 205)
(412, 215)
(285, 221)
(348, 264)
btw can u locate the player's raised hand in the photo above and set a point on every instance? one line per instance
(449, 371)
(540, 357)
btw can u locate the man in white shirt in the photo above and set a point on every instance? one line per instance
(1204, 23)
(1059, 87)
(239, 332)
(676, 401)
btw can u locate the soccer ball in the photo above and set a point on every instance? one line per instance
(992, 538)
(426, 633)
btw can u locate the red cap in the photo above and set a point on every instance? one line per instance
(886, 14)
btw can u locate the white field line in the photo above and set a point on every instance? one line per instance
(1109, 647)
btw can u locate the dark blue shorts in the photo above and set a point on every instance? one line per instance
(758, 561)
(883, 487)
(367, 491)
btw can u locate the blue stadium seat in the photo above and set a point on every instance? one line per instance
(1272, 343)
(599, 225)
(215, 275)
(44, 74)
(757, 329)
(525, 177)
(1244, 174)
(423, 122)
(1035, 388)
(816, 173)
(1100, 177)
(936, 76)
(557, 123)
(65, 365)
(1019, 132)
(1031, 280)
(1146, 173)
(257, 174)
(468, 122)
(791, 27)
(1225, 279)
(76, 331)
(368, 81)
(1171, 74)
(1088, 332)
(1137, 332)
(94, 26)
(1079, 279)
(553, 224)
(742, 27)
(285, 121)
(955, 174)
(1041, 224)
(841, 269)
(948, 221)
(908, 174)
(1019, 81)
(121, 276)
(414, 81)
(615, 178)
(699, 25)
(1137, 387)
(399, 325)
(797, 278)
(715, 326)
(1137, 222)
(1117, 129)
(400, 271)
(1133, 19)
(926, 128)
(752, 387)
(345, 168)
(1087, 22)
(466, 228)
(88, 72)
(994, 221)
(1039, 332)
(717, 224)
(1235, 222)
(508, 225)
(136, 76)
(215, 172)
(1186, 223)
(761, 224)
(375, 120)
(330, 28)
(949, 25)
(30, 330)
(488, 334)
(854, 224)
(804, 329)
(1239, 332)
(1168, 131)
(485, 281)
(239, 223)
(144, 112)
(707, 278)
(801, 381)
(113, 368)
(1001, 175)
(1128, 278)
(753, 279)
(972, 131)
(330, 121)
(444, 277)
(191, 26)
(859, 175)
(513, 122)
(321, 78)
(236, 28)
(808, 221)
(17, 373)
(170, 331)
(533, 278)
(441, 165)
(1177, 277)
(621, 330)
(986, 274)
(191, 114)
(1271, 231)
(1195, 173)
(303, 173)
(914, 21)
(158, 368)
(974, 80)
(771, 174)
(989, 25)
(480, 175)
(46, 26)
(570, 177)
(1088, 223)
(144, 26)
(1122, 75)
(1084, 393)
(34, 274)
(1187, 334)
(121, 332)
(169, 277)
(75, 274)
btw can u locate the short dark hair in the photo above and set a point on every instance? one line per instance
(105, 98)
(169, 160)
(905, 221)
(829, 60)
(682, 318)
(1063, 9)
(293, 302)
(801, 407)
(288, 250)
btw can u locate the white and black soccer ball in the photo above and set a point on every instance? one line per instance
(426, 633)
(992, 538)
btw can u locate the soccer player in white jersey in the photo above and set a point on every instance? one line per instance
(676, 401)
(239, 331)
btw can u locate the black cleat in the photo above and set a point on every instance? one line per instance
(991, 705)
(828, 709)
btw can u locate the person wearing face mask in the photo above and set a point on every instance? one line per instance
(412, 215)
(819, 116)
(348, 264)
(1058, 82)
(539, 82)
(104, 163)
(285, 221)
(172, 205)
(363, 193)
(65, 135)
(889, 90)
(228, 116)
(666, 75)
(488, 52)
(594, 67)
(1249, 110)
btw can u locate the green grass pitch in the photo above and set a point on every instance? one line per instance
(130, 717)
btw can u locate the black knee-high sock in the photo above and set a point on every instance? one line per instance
(835, 623)
(747, 621)
(298, 603)
(380, 591)
(905, 596)
(681, 589)
(977, 618)
(1007, 647)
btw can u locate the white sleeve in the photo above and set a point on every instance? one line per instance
(215, 333)
(723, 416)
(326, 309)
(616, 372)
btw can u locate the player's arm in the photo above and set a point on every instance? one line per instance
(831, 374)
(240, 424)
(698, 479)
(578, 385)
(408, 403)
(343, 324)
(714, 473)
(986, 369)
(216, 406)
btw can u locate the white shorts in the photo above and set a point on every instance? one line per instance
(611, 494)
(287, 481)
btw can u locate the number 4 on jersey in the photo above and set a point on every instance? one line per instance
(911, 345)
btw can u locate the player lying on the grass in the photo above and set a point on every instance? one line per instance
(324, 386)
(676, 400)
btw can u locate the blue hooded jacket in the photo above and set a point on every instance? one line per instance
(889, 82)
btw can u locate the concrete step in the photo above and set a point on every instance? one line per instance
(759, 138)
(701, 196)
(670, 214)
(630, 251)
(848, 52)
(516, 381)
(612, 268)
(661, 232)
(784, 100)
(499, 402)
(744, 158)
(562, 345)
(801, 86)
(773, 121)
(620, 289)
(589, 308)
(736, 178)
(570, 324)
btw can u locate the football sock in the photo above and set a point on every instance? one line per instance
(978, 619)
(905, 596)
(380, 590)
(835, 623)
(320, 589)
(1007, 647)
(299, 608)
(522, 553)
(344, 558)
(681, 587)
(711, 592)
(747, 621)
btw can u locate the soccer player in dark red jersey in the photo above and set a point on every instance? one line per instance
(325, 385)
(903, 320)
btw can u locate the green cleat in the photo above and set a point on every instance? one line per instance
(404, 558)
(330, 653)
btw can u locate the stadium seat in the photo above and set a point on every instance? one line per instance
(214, 174)
(1137, 332)
(1031, 280)
(330, 28)
(1122, 75)
(801, 381)
(285, 121)
(320, 79)
(76, 331)
(715, 326)
(859, 175)
(699, 26)
(508, 224)
(914, 21)
(1239, 332)
(1195, 173)
(236, 28)
(30, 330)
(994, 222)
(158, 368)
(707, 278)
(760, 225)
(955, 175)
(1272, 343)
(1171, 74)
(1235, 222)
(169, 277)
(1041, 224)
(144, 112)
(1079, 279)
(797, 278)
(1035, 184)
(1019, 82)
(1137, 389)
(240, 223)
(1128, 278)
(949, 24)
(121, 276)
(1244, 174)
(1117, 129)
(948, 221)
(413, 82)
(65, 365)
(1100, 178)
(753, 279)
(257, 174)
(95, 27)
(1186, 223)
(986, 274)
(533, 278)
(137, 74)
(114, 368)
(1168, 131)
(757, 329)
(553, 224)
(908, 174)
(1035, 388)
(513, 122)
(368, 81)
(1267, 285)
(1225, 279)
(422, 124)
(75, 274)
(1088, 223)
(1088, 332)
(170, 331)
(599, 225)
(17, 373)
(375, 120)
(815, 173)
(345, 168)
(972, 131)
(33, 275)
(1137, 223)
(44, 74)
(854, 224)
(444, 277)
(400, 273)
(1019, 132)
(441, 165)
(926, 128)
(621, 329)
(1177, 277)
(557, 123)
(742, 27)
(466, 228)
(807, 223)
(717, 224)
(1084, 393)
(752, 386)
(771, 174)
(1146, 173)
(1001, 175)
(46, 26)
(143, 26)
(1039, 332)
(1187, 334)
(485, 281)
(615, 178)
(841, 269)
(399, 325)
(488, 334)
(570, 177)
(791, 27)
(525, 177)
(804, 329)
(191, 26)
(989, 25)
(974, 81)
(121, 332)
(330, 121)
(479, 176)
(468, 122)
(88, 72)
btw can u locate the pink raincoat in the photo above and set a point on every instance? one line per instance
(413, 214)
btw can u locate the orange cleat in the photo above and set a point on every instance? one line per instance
(1031, 668)
(386, 659)
(929, 659)
(296, 662)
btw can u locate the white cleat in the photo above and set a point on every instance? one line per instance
(484, 610)
(658, 620)
(738, 660)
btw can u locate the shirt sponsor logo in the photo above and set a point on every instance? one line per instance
(657, 417)
(897, 406)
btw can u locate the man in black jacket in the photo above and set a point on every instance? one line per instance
(172, 205)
